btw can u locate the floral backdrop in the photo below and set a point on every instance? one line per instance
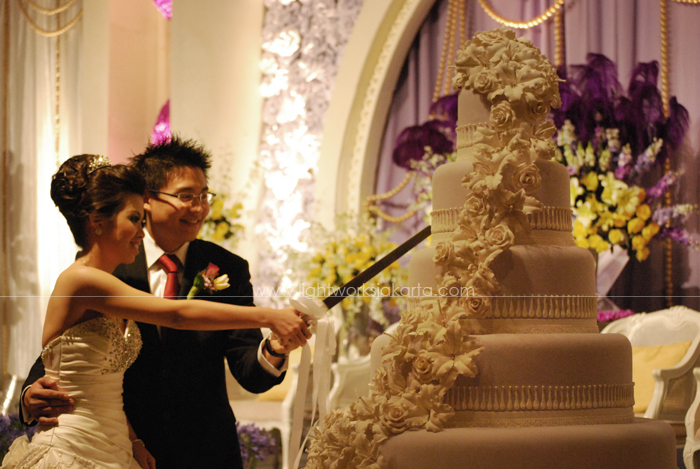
(303, 43)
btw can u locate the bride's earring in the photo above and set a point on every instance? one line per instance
(98, 230)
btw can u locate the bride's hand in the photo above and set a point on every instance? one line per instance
(142, 455)
(289, 326)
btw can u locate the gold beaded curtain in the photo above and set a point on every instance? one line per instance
(55, 13)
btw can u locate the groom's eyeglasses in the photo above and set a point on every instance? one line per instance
(189, 198)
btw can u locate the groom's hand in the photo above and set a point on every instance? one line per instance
(283, 348)
(44, 402)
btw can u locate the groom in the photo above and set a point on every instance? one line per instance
(175, 393)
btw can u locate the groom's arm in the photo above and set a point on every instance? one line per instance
(243, 350)
(41, 400)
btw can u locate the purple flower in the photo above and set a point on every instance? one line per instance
(662, 215)
(12, 428)
(612, 315)
(4, 424)
(644, 164)
(661, 187)
(256, 444)
(622, 172)
(679, 235)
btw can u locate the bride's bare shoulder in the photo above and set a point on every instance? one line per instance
(79, 278)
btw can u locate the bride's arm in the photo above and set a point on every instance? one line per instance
(141, 454)
(94, 289)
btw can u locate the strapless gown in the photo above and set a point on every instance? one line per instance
(88, 361)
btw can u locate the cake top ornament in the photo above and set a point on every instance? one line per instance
(506, 69)
(432, 345)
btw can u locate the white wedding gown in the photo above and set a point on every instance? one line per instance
(88, 360)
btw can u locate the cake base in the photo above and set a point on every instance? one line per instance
(644, 444)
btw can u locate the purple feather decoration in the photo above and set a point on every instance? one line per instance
(676, 125)
(589, 96)
(645, 112)
(592, 98)
(445, 109)
(411, 142)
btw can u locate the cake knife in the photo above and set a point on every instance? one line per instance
(312, 308)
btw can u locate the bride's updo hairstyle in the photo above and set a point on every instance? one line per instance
(89, 184)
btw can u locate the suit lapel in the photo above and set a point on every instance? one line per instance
(192, 266)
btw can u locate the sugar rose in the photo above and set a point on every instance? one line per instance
(527, 176)
(423, 367)
(474, 205)
(500, 236)
(444, 253)
(502, 115)
(485, 81)
(459, 81)
(478, 305)
(400, 414)
(538, 111)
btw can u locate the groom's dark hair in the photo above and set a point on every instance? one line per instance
(159, 159)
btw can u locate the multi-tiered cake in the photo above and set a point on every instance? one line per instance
(497, 362)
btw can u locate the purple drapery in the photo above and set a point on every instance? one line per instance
(627, 32)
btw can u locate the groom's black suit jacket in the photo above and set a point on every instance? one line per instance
(175, 393)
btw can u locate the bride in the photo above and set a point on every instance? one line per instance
(90, 337)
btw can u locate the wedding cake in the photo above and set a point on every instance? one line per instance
(497, 362)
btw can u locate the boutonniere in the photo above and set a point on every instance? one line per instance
(207, 280)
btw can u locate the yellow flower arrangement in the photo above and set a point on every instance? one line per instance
(221, 225)
(609, 212)
(337, 256)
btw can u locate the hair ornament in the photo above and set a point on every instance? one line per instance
(97, 162)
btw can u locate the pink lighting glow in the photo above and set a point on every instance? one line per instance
(165, 7)
(161, 131)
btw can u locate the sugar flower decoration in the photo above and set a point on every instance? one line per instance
(431, 347)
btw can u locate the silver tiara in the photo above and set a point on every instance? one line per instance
(98, 162)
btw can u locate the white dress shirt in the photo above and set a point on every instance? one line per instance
(157, 278)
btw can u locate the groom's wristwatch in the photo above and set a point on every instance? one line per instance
(271, 351)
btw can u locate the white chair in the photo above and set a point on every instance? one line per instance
(349, 381)
(692, 429)
(674, 387)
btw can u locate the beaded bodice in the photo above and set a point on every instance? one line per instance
(96, 346)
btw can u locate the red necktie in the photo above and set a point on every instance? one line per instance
(171, 264)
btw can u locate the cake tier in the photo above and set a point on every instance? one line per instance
(449, 195)
(472, 108)
(546, 379)
(643, 444)
(543, 289)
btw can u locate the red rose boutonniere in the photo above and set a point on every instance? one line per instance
(207, 280)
